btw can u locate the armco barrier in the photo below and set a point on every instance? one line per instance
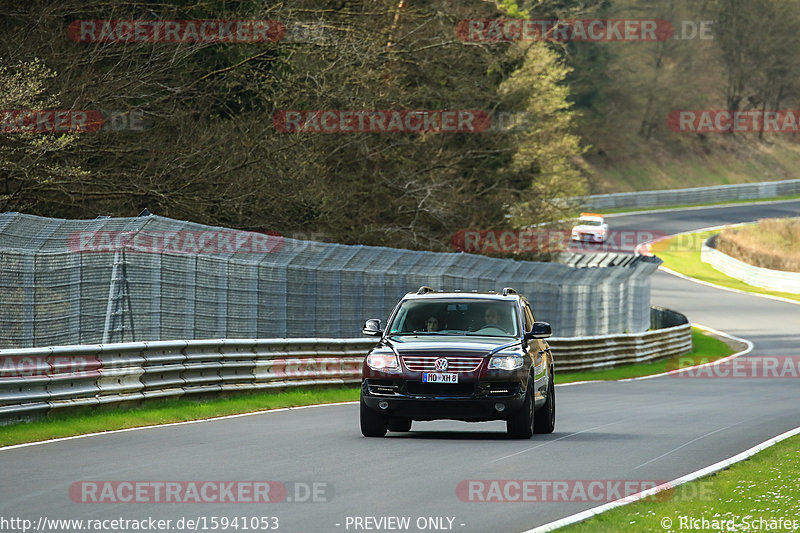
(696, 195)
(671, 335)
(34, 381)
(765, 278)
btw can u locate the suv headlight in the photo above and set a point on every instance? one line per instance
(506, 362)
(383, 362)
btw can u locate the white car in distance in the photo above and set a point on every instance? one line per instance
(590, 228)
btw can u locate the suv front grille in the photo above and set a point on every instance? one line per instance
(425, 363)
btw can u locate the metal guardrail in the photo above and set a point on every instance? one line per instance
(34, 381)
(765, 278)
(695, 195)
(599, 353)
(671, 335)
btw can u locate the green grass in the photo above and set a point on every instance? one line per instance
(772, 243)
(764, 486)
(630, 162)
(92, 419)
(707, 204)
(639, 170)
(682, 254)
(705, 349)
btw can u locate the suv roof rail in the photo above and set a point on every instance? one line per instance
(425, 290)
(508, 290)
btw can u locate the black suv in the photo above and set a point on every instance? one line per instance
(459, 355)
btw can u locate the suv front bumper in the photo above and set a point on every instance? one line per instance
(408, 399)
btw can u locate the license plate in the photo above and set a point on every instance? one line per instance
(430, 377)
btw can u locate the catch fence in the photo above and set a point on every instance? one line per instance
(77, 282)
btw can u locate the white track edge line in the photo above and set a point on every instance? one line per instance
(707, 283)
(729, 289)
(748, 349)
(281, 409)
(716, 467)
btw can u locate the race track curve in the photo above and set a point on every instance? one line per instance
(656, 429)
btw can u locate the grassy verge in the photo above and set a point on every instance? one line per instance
(92, 420)
(682, 254)
(762, 487)
(89, 420)
(772, 243)
(706, 349)
(620, 210)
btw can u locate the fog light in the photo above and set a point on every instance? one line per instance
(383, 405)
(500, 406)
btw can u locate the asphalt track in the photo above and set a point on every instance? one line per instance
(650, 430)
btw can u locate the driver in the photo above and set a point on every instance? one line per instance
(492, 318)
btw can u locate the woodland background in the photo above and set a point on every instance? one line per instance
(208, 151)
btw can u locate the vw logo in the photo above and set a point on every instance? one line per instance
(440, 364)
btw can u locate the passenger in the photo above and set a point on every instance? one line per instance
(432, 324)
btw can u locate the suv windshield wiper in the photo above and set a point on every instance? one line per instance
(448, 334)
(476, 334)
(399, 334)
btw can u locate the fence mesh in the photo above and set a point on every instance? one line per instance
(55, 289)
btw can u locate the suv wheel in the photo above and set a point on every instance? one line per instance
(399, 424)
(372, 424)
(545, 418)
(520, 425)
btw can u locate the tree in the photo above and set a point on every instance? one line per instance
(545, 151)
(758, 42)
(31, 163)
(213, 155)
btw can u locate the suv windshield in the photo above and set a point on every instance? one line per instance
(492, 318)
(591, 222)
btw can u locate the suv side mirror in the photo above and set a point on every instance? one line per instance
(372, 327)
(540, 330)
